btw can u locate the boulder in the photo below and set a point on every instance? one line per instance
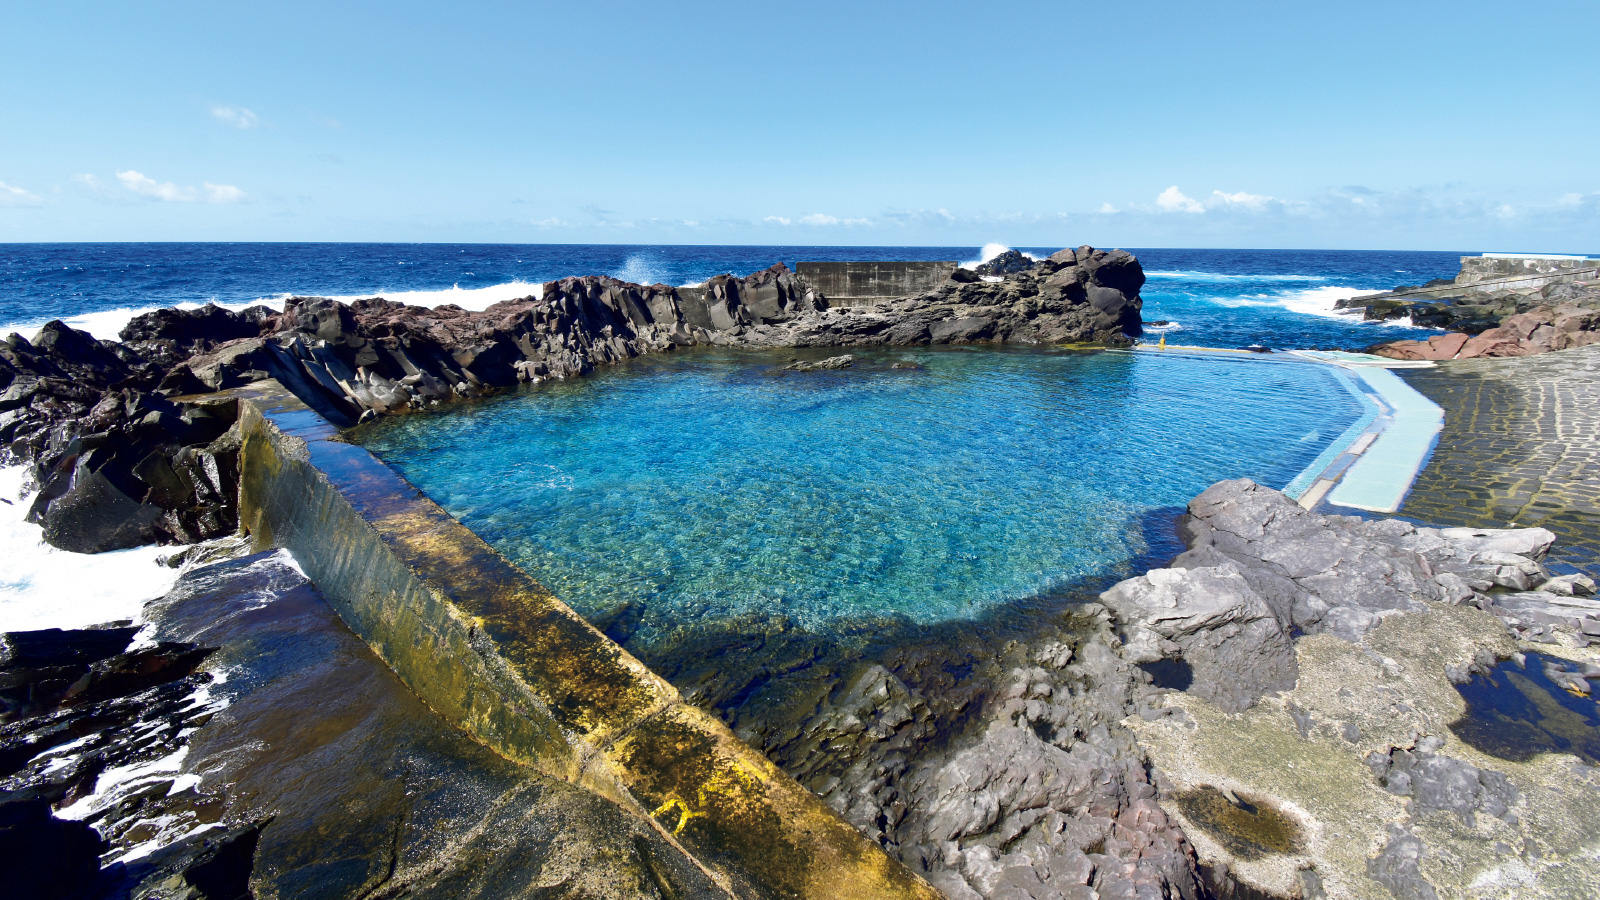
(1006, 263)
(1212, 619)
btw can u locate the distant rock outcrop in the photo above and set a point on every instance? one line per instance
(1502, 322)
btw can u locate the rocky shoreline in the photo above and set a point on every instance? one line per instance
(1063, 765)
(124, 455)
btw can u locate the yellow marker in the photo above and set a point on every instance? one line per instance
(1163, 343)
(684, 813)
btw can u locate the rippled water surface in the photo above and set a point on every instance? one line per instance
(706, 485)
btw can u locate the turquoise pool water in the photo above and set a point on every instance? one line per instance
(705, 485)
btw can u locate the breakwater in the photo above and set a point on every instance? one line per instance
(497, 655)
(869, 282)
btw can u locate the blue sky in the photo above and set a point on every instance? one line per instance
(1458, 126)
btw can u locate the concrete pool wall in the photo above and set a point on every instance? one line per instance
(497, 655)
(1373, 464)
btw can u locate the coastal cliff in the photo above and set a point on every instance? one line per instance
(121, 458)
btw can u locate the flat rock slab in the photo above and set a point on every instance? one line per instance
(1308, 756)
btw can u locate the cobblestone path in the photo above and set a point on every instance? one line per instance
(1521, 445)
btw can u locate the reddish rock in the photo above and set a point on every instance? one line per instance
(1539, 330)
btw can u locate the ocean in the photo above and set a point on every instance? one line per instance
(1215, 298)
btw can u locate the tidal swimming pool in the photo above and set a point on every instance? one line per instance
(704, 486)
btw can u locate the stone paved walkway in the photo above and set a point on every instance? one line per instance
(1521, 445)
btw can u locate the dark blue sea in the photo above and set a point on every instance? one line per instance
(1216, 298)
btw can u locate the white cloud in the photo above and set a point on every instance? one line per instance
(167, 192)
(1174, 200)
(237, 116)
(551, 222)
(223, 193)
(1250, 201)
(825, 219)
(96, 186)
(15, 196)
(1107, 208)
(776, 220)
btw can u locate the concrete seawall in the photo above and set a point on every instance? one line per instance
(1524, 273)
(866, 283)
(497, 655)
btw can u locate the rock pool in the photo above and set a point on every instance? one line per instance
(918, 485)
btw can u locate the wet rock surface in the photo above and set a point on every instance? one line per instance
(122, 458)
(275, 756)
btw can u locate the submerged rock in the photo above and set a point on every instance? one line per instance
(832, 362)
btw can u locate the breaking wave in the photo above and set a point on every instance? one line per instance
(990, 251)
(108, 323)
(43, 587)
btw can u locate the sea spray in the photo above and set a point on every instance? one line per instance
(42, 587)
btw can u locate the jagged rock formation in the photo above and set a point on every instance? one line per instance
(1260, 568)
(120, 462)
(1009, 262)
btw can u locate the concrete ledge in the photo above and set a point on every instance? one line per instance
(499, 656)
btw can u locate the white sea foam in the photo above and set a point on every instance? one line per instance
(1172, 325)
(1221, 278)
(117, 783)
(42, 587)
(107, 324)
(1317, 301)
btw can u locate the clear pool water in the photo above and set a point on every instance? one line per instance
(709, 485)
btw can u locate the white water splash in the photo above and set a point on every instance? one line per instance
(990, 251)
(43, 587)
(108, 323)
